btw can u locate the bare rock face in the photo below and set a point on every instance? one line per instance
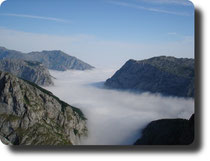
(31, 115)
(165, 75)
(28, 70)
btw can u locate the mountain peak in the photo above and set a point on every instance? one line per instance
(54, 59)
(165, 75)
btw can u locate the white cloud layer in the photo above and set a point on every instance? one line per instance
(114, 117)
(95, 51)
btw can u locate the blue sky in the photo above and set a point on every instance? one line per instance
(114, 30)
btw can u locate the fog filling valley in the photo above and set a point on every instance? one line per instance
(114, 117)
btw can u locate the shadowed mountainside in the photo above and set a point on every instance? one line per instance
(165, 75)
(168, 132)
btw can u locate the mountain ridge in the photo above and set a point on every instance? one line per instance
(165, 75)
(52, 59)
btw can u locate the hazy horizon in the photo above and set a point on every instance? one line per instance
(102, 33)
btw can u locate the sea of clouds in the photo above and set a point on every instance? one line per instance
(114, 117)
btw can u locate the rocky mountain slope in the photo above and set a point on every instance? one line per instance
(29, 70)
(55, 60)
(168, 132)
(30, 115)
(166, 75)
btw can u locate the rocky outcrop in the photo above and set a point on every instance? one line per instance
(31, 115)
(29, 70)
(165, 75)
(168, 132)
(55, 60)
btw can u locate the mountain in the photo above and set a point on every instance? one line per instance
(165, 75)
(29, 70)
(55, 60)
(58, 60)
(168, 132)
(10, 54)
(31, 115)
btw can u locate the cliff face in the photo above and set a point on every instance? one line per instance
(166, 75)
(28, 70)
(30, 115)
(168, 132)
(55, 60)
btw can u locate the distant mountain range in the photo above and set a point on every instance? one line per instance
(168, 132)
(31, 115)
(28, 70)
(55, 60)
(165, 75)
